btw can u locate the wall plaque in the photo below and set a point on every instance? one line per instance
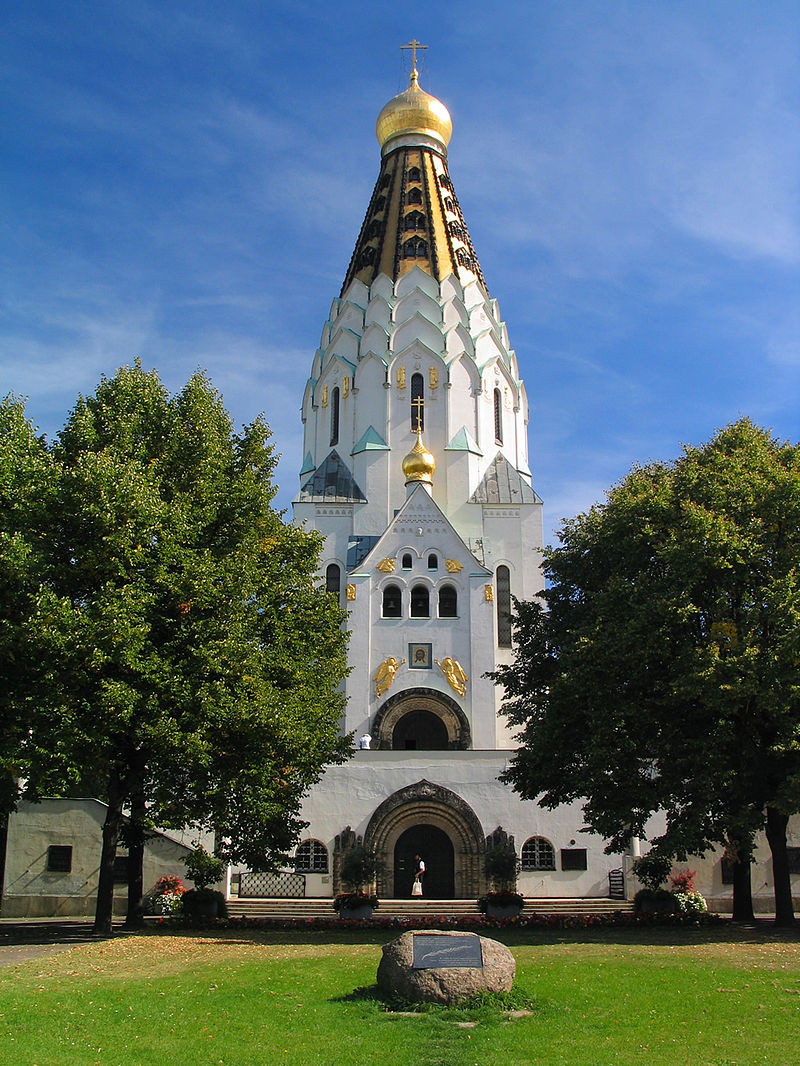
(445, 952)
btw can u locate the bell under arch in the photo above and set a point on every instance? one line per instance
(417, 717)
(425, 804)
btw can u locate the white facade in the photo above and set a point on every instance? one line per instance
(414, 352)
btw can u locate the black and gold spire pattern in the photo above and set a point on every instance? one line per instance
(414, 218)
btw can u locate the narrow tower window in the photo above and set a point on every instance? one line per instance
(392, 601)
(333, 579)
(414, 174)
(448, 602)
(417, 403)
(407, 562)
(503, 577)
(335, 417)
(414, 196)
(498, 417)
(420, 602)
(433, 561)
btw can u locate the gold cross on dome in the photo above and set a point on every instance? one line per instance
(413, 45)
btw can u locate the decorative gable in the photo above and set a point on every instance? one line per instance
(503, 484)
(332, 482)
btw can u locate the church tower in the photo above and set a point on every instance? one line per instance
(416, 471)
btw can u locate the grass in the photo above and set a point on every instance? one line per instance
(716, 997)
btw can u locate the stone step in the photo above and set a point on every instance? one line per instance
(420, 908)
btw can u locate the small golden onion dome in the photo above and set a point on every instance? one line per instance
(419, 464)
(414, 111)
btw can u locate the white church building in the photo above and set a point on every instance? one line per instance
(416, 470)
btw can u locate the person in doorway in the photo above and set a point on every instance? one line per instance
(416, 888)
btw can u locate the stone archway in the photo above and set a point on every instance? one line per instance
(427, 804)
(422, 702)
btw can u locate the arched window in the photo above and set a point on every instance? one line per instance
(380, 203)
(311, 857)
(407, 562)
(420, 602)
(414, 196)
(415, 248)
(374, 228)
(335, 416)
(414, 174)
(386, 181)
(538, 854)
(417, 402)
(366, 256)
(433, 561)
(503, 599)
(449, 205)
(415, 220)
(498, 417)
(333, 579)
(457, 230)
(392, 602)
(448, 602)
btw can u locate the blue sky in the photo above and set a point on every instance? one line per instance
(185, 182)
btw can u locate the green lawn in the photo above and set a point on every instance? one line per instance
(712, 997)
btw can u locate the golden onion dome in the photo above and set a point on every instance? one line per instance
(419, 464)
(414, 112)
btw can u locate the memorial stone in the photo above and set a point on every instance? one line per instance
(445, 967)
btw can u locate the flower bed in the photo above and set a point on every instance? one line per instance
(476, 923)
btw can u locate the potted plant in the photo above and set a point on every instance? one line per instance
(652, 870)
(689, 900)
(204, 869)
(501, 867)
(166, 898)
(359, 867)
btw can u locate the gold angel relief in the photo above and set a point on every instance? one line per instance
(454, 672)
(386, 566)
(384, 675)
(453, 566)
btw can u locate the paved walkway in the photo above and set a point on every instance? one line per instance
(36, 938)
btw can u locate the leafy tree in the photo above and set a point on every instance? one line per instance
(26, 473)
(662, 674)
(196, 667)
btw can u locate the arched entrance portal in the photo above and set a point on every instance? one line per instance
(436, 823)
(421, 719)
(436, 848)
(420, 731)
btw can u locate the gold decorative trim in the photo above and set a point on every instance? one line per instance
(488, 592)
(386, 565)
(351, 592)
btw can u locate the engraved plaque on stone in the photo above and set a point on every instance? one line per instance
(443, 952)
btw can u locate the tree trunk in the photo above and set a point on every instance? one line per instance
(3, 846)
(105, 883)
(136, 834)
(776, 835)
(742, 891)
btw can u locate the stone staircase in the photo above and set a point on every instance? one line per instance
(281, 909)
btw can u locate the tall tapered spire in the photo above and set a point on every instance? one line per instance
(414, 218)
